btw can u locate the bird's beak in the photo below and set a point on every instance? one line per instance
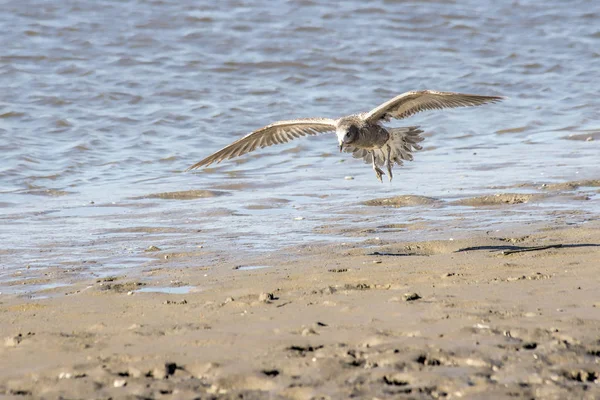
(341, 146)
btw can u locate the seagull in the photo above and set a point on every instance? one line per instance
(361, 134)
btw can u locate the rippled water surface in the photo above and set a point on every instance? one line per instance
(105, 103)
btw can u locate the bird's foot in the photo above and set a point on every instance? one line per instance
(379, 173)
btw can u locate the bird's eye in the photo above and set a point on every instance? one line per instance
(352, 131)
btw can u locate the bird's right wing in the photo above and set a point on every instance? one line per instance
(276, 133)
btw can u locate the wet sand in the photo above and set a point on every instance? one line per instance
(462, 318)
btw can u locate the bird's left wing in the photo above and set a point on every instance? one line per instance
(409, 103)
(276, 133)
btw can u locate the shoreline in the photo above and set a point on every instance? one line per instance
(131, 244)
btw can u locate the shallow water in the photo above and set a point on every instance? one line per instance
(104, 104)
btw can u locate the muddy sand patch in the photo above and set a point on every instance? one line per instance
(402, 201)
(585, 137)
(183, 195)
(572, 185)
(498, 199)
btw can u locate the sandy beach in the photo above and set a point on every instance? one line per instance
(463, 318)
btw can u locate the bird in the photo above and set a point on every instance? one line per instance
(361, 134)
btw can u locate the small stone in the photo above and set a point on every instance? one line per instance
(349, 178)
(411, 296)
(119, 383)
(135, 372)
(12, 341)
(329, 290)
(202, 370)
(214, 389)
(476, 362)
(164, 371)
(298, 218)
(266, 297)
(65, 375)
(229, 300)
(383, 286)
(152, 248)
(309, 332)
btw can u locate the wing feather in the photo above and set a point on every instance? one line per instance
(410, 103)
(276, 133)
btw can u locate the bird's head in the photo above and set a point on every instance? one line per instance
(346, 134)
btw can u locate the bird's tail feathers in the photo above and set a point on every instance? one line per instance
(402, 142)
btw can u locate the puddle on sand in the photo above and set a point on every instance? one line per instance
(169, 290)
(250, 267)
(40, 291)
(29, 288)
(49, 286)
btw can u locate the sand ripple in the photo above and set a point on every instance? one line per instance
(183, 195)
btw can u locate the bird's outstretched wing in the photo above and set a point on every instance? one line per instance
(409, 103)
(276, 133)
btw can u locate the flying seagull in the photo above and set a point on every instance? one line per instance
(360, 134)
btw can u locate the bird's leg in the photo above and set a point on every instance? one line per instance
(378, 171)
(389, 163)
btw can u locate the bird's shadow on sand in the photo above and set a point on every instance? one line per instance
(379, 253)
(518, 249)
(505, 249)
